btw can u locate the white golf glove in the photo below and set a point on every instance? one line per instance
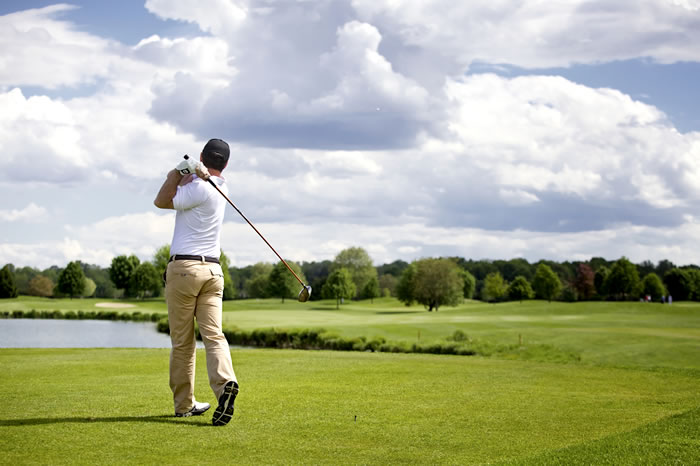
(188, 166)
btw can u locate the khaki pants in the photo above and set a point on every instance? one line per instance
(194, 290)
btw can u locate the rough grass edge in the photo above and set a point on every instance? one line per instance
(320, 339)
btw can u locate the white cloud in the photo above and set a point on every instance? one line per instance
(144, 233)
(366, 80)
(307, 78)
(215, 16)
(549, 135)
(66, 141)
(206, 57)
(95, 243)
(517, 197)
(32, 213)
(39, 50)
(352, 123)
(535, 34)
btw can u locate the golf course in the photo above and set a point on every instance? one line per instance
(565, 383)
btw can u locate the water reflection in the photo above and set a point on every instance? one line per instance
(48, 333)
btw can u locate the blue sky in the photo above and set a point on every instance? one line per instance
(481, 130)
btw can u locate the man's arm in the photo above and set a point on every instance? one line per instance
(164, 199)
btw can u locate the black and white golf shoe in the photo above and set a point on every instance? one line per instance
(197, 410)
(224, 412)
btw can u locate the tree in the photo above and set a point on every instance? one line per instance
(469, 284)
(678, 284)
(71, 281)
(23, 276)
(358, 263)
(229, 289)
(438, 282)
(395, 269)
(664, 266)
(89, 288)
(653, 286)
(546, 283)
(387, 285)
(104, 286)
(8, 289)
(623, 280)
(406, 285)
(121, 269)
(520, 289)
(281, 283)
(584, 283)
(161, 259)
(513, 268)
(41, 286)
(694, 275)
(145, 280)
(599, 280)
(257, 286)
(495, 287)
(339, 285)
(371, 290)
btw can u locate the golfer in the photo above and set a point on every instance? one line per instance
(194, 281)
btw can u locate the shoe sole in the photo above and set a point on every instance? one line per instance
(224, 412)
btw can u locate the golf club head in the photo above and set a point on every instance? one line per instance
(304, 294)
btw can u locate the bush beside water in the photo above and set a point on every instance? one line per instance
(82, 315)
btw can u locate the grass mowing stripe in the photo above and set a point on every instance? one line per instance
(89, 406)
(671, 440)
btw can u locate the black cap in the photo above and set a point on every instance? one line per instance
(217, 147)
(215, 154)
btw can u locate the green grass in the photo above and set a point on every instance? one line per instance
(624, 334)
(98, 406)
(634, 398)
(627, 334)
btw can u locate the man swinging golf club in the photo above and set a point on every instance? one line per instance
(195, 281)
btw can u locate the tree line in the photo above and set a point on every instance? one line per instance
(433, 282)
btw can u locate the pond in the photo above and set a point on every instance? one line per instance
(49, 333)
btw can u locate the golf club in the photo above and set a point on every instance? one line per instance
(305, 292)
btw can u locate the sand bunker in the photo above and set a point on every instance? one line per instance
(114, 305)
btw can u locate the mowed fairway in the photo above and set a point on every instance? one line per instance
(628, 334)
(634, 398)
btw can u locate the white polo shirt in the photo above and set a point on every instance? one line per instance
(200, 214)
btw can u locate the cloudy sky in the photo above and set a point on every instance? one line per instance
(488, 129)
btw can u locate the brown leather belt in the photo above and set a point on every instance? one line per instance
(187, 257)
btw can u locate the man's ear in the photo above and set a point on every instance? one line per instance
(201, 154)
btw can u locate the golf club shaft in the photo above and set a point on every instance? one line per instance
(256, 230)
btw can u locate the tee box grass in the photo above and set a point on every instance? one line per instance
(67, 406)
(634, 398)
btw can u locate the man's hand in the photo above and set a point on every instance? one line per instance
(187, 166)
(191, 166)
(202, 171)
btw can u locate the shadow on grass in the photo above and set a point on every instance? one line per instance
(399, 312)
(163, 419)
(324, 308)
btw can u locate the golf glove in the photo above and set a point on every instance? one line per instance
(189, 166)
